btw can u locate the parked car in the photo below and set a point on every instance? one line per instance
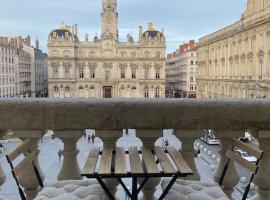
(246, 156)
(210, 138)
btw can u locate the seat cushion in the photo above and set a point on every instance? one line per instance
(194, 190)
(71, 190)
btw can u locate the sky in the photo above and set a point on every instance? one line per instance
(181, 19)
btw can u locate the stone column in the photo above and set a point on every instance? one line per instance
(70, 169)
(28, 179)
(262, 180)
(109, 139)
(149, 138)
(3, 176)
(187, 138)
(231, 179)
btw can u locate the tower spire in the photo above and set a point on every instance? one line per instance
(109, 19)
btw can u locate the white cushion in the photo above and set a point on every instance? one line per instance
(193, 190)
(71, 190)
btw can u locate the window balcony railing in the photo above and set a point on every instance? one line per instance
(68, 118)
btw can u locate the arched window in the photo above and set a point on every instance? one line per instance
(92, 91)
(157, 92)
(133, 92)
(67, 92)
(146, 92)
(157, 54)
(122, 92)
(56, 92)
(81, 91)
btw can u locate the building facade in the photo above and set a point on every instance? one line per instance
(39, 65)
(234, 61)
(23, 74)
(23, 68)
(7, 70)
(181, 72)
(106, 67)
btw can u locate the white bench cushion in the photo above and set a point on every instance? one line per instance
(71, 190)
(194, 190)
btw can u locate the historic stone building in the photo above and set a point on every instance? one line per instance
(181, 69)
(106, 67)
(234, 61)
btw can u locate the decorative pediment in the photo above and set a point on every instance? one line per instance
(55, 64)
(260, 53)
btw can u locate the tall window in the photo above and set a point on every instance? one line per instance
(67, 75)
(92, 72)
(147, 54)
(92, 92)
(123, 72)
(122, 92)
(81, 72)
(56, 92)
(157, 92)
(133, 72)
(55, 72)
(157, 73)
(157, 54)
(146, 73)
(263, 4)
(133, 92)
(67, 92)
(146, 92)
(107, 74)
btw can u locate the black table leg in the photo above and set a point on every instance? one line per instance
(167, 189)
(124, 186)
(105, 188)
(134, 188)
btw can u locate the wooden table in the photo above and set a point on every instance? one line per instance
(118, 163)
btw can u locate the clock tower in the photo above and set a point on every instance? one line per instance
(109, 20)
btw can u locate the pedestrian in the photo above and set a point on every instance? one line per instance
(84, 134)
(93, 138)
(89, 138)
(59, 154)
(126, 131)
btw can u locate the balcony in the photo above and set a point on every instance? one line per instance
(68, 118)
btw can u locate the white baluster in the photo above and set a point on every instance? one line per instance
(262, 180)
(187, 138)
(149, 138)
(231, 179)
(70, 169)
(3, 176)
(109, 139)
(29, 180)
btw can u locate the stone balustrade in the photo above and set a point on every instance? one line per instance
(68, 118)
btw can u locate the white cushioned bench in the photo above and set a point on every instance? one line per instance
(71, 190)
(195, 190)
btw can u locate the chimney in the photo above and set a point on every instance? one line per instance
(20, 42)
(37, 43)
(150, 26)
(140, 32)
(28, 40)
(76, 29)
(191, 44)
